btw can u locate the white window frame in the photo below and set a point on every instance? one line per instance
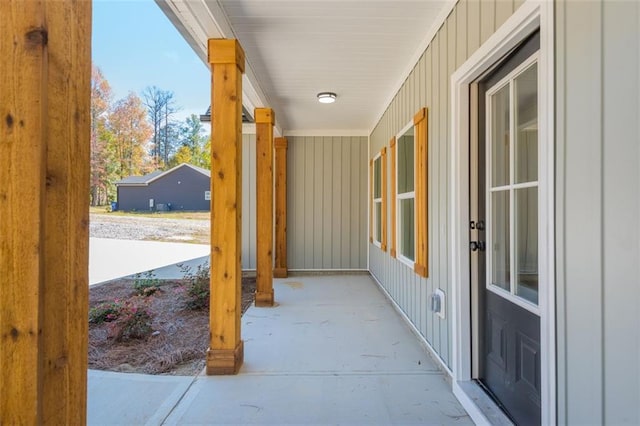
(405, 196)
(510, 187)
(377, 219)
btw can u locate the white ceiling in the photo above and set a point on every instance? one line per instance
(360, 49)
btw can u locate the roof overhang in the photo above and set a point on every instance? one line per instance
(198, 21)
(362, 49)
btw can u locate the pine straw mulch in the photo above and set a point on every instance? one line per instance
(179, 343)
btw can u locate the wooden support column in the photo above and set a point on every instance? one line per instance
(421, 266)
(280, 270)
(264, 118)
(393, 198)
(45, 79)
(226, 350)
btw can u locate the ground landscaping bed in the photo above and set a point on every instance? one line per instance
(173, 338)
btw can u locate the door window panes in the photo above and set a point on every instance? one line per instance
(500, 137)
(500, 240)
(526, 136)
(512, 152)
(526, 227)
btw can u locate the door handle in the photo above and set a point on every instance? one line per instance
(477, 245)
(479, 225)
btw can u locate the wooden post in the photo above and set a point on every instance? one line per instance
(371, 200)
(226, 350)
(280, 270)
(264, 118)
(383, 172)
(44, 182)
(393, 198)
(421, 265)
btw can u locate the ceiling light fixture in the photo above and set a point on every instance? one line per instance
(326, 97)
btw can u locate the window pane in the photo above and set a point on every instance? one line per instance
(377, 182)
(378, 221)
(526, 143)
(500, 137)
(526, 218)
(407, 228)
(405, 162)
(500, 251)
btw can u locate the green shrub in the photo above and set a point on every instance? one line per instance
(105, 312)
(133, 321)
(145, 284)
(197, 286)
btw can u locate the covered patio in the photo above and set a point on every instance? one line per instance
(333, 351)
(408, 78)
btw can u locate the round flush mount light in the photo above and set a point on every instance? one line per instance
(326, 97)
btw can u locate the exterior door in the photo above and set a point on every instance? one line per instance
(504, 234)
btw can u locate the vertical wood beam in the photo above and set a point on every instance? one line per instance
(371, 200)
(226, 349)
(394, 201)
(383, 178)
(64, 326)
(421, 265)
(264, 118)
(44, 175)
(22, 164)
(281, 270)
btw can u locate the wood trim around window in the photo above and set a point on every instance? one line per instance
(420, 123)
(383, 216)
(392, 149)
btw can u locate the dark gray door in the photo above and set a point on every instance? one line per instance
(504, 234)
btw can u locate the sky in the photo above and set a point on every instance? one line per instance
(136, 46)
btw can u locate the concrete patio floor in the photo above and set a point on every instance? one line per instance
(333, 351)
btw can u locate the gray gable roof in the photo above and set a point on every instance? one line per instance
(147, 179)
(139, 179)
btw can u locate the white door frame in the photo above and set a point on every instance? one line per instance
(531, 15)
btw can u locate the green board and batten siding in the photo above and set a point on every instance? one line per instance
(327, 202)
(597, 197)
(465, 29)
(597, 212)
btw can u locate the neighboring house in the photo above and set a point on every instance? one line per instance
(184, 187)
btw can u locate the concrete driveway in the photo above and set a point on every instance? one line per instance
(113, 258)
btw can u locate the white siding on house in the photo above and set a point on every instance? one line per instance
(467, 27)
(597, 212)
(326, 202)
